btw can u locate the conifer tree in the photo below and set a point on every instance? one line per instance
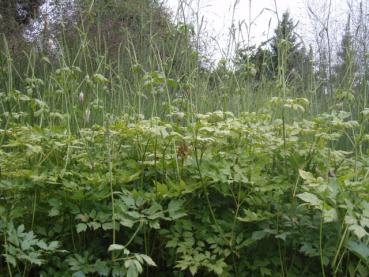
(345, 70)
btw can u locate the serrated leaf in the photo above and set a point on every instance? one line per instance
(81, 227)
(175, 209)
(107, 226)
(358, 231)
(307, 176)
(26, 244)
(127, 222)
(102, 268)
(53, 245)
(310, 198)
(42, 245)
(54, 212)
(10, 259)
(359, 249)
(94, 225)
(20, 229)
(34, 258)
(193, 270)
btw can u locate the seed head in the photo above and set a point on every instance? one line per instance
(81, 97)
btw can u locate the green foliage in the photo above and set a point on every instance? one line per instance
(120, 155)
(282, 51)
(217, 195)
(22, 247)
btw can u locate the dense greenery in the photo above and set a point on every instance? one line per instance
(222, 194)
(122, 154)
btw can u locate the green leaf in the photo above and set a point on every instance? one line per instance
(175, 209)
(83, 217)
(360, 249)
(42, 245)
(138, 266)
(54, 245)
(307, 176)
(81, 227)
(265, 271)
(154, 212)
(78, 274)
(20, 230)
(283, 236)
(309, 249)
(94, 225)
(329, 214)
(102, 268)
(127, 222)
(148, 260)
(350, 220)
(251, 216)
(116, 247)
(107, 226)
(193, 269)
(310, 198)
(358, 231)
(132, 270)
(258, 235)
(10, 259)
(54, 212)
(154, 225)
(26, 244)
(34, 258)
(129, 201)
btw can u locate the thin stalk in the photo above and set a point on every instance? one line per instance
(6, 252)
(204, 186)
(321, 245)
(343, 238)
(111, 187)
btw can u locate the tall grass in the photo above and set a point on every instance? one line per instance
(75, 90)
(81, 78)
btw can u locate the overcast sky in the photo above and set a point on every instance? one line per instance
(218, 14)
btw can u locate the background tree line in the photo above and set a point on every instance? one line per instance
(327, 71)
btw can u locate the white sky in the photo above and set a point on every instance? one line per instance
(217, 15)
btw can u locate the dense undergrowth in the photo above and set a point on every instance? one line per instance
(123, 154)
(201, 193)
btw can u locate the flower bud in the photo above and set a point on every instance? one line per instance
(81, 97)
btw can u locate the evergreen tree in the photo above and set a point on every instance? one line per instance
(286, 39)
(309, 71)
(255, 62)
(285, 32)
(265, 59)
(345, 70)
(322, 73)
